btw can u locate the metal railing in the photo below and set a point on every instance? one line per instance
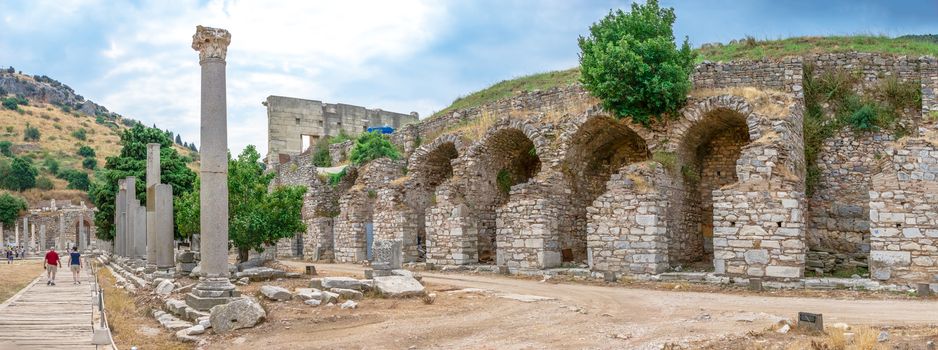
(102, 336)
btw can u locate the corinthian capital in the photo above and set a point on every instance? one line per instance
(211, 42)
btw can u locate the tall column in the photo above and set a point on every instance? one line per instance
(26, 233)
(163, 222)
(130, 216)
(214, 287)
(60, 243)
(119, 218)
(32, 237)
(16, 234)
(42, 238)
(82, 235)
(153, 178)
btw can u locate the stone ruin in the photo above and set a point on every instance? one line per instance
(61, 224)
(548, 179)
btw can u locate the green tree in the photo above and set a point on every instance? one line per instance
(370, 146)
(52, 165)
(86, 151)
(77, 180)
(258, 216)
(10, 103)
(89, 163)
(18, 175)
(31, 133)
(6, 148)
(631, 62)
(132, 162)
(11, 207)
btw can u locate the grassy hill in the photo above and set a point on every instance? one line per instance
(746, 49)
(63, 130)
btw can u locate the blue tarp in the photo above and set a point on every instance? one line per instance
(382, 129)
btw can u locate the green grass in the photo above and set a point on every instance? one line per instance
(746, 49)
(750, 49)
(509, 88)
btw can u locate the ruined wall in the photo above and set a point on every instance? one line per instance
(904, 213)
(452, 238)
(288, 119)
(627, 230)
(357, 209)
(784, 75)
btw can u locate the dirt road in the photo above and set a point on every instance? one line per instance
(575, 316)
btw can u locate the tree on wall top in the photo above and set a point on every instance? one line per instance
(371, 146)
(631, 62)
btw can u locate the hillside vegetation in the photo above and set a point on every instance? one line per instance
(745, 49)
(51, 134)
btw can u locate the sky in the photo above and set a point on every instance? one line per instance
(134, 57)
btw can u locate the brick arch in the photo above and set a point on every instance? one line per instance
(527, 127)
(421, 153)
(699, 111)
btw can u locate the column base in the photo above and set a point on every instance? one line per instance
(210, 292)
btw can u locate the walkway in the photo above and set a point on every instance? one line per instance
(49, 317)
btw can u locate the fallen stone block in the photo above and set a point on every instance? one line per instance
(329, 297)
(241, 313)
(341, 282)
(349, 304)
(276, 293)
(312, 302)
(183, 336)
(315, 283)
(350, 294)
(195, 330)
(165, 288)
(398, 286)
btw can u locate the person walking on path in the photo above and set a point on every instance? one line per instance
(51, 264)
(10, 256)
(75, 264)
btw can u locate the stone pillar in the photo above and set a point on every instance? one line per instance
(163, 222)
(130, 217)
(153, 178)
(213, 288)
(26, 233)
(82, 235)
(119, 220)
(42, 238)
(16, 233)
(31, 244)
(140, 232)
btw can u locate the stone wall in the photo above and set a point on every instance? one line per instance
(784, 75)
(627, 230)
(357, 209)
(904, 213)
(289, 119)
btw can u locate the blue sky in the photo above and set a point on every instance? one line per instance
(403, 55)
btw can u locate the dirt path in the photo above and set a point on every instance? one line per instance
(577, 316)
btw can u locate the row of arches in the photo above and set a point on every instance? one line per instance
(513, 164)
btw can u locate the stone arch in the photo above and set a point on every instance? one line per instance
(708, 141)
(431, 165)
(597, 147)
(504, 160)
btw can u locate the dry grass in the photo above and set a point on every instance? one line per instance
(17, 275)
(768, 102)
(126, 318)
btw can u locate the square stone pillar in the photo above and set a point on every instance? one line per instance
(42, 238)
(120, 218)
(16, 233)
(153, 178)
(163, 225)
(82, 234)
(213, 288)
(140, 232)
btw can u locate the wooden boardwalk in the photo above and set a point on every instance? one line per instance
(49, 317)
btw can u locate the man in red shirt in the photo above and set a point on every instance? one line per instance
(51, 264)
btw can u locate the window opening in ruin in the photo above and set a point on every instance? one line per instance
(297, 121)
(708, 155)
(512, 154)
(601, 147)
(433, 169)
(307, 141)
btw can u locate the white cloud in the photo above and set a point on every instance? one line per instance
(288, 48)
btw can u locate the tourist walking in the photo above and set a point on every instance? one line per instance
(51, 263)
(9, 255)
(75, 264)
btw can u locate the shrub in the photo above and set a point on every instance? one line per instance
(321, 156)
(52, 165)
(80, 134)
(43, 183)
(10, 103)
(631, 62)
(31, 133)
(504, 180)
(86, 151)
(9, 129)
(370, 146)
(864, 118)
(18, 175)
(77, 180)
(335, 179)
(89, 163)
(5, 148)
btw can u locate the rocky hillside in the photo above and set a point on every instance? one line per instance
(61, 132)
